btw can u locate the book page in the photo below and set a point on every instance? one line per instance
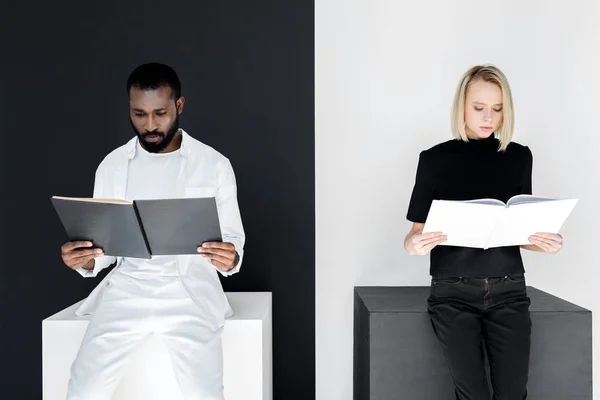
(527, 198)
(491, 202)
(466, 224)
(94, 200)
(523, 220)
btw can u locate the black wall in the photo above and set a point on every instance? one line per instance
(247, 73)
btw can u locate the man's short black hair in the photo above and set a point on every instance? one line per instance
(152, 76)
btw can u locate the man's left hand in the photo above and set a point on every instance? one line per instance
(222, 255)
(547, 242)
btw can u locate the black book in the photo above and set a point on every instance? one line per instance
(140, 228)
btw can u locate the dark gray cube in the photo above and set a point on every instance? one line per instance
(397, 356)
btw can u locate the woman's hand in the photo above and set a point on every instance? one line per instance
(546, 242)
(419, 244)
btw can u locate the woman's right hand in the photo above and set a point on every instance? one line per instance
(419, 244)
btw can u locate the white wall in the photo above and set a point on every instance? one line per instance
(386, 71)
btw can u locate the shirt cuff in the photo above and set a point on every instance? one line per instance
(235, 269)
(99, 264)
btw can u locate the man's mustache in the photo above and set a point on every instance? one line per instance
(155, 133)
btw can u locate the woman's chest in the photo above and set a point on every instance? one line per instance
(472, 178)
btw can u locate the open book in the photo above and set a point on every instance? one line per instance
(488, 223)
(140, 228)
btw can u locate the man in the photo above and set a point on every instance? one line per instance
(178, 298)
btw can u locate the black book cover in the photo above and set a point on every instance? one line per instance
(140, 228)
(179, 226)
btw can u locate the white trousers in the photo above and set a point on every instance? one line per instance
(122, 322)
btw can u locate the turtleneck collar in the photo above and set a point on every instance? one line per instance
(490, 141)
(491, 138)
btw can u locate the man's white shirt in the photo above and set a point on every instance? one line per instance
(129, 172)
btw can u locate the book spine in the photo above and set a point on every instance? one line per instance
(493, 228)
(141, 225)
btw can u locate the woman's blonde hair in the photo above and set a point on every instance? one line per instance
(486, 73)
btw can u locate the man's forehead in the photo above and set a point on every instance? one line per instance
(162, 93)
(150, 99)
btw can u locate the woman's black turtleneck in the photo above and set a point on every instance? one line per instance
(458, 170)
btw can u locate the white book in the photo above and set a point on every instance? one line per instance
(489, 223)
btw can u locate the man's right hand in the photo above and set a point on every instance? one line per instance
(80, 254)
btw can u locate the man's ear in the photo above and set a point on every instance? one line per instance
(179, 104)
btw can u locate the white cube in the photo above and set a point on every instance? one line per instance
(247, 355)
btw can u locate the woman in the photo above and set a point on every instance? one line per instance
(478, 297)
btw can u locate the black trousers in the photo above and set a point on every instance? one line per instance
(469, 313)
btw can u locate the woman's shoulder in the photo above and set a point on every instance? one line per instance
(518, 149)
(438, 155)
(440, 149)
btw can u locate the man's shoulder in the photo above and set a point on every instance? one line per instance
(201, 151)
(114, 157)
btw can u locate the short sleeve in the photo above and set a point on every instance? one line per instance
(423, 191)
(526, 186)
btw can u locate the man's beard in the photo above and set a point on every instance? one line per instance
(159, 146)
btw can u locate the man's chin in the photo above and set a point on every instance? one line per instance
(151, 146)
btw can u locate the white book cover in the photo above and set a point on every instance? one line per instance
(489, 223)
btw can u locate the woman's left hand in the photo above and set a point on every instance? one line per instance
(547, 242)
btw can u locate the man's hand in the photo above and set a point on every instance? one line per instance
(80, 254)
(222, 255)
